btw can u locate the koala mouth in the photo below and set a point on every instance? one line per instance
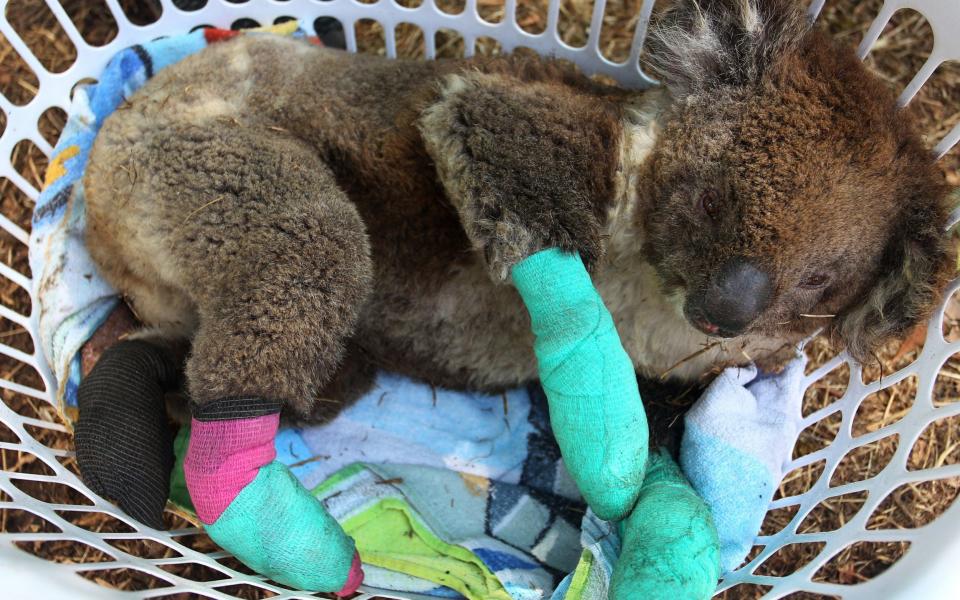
(705, 326)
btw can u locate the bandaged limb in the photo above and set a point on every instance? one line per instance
(595, 408)
(255, 507)
(669, 545)
(123, 441)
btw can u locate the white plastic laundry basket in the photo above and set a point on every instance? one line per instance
(929, 569)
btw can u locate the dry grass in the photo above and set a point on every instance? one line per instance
(902, 50)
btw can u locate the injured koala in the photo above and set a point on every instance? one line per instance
(304, 217)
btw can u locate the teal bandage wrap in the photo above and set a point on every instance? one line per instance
(595, 407)
(670, 548)
(275, 527)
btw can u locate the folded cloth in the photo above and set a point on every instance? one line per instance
(446, 493)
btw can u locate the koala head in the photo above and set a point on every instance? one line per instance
(786, 191)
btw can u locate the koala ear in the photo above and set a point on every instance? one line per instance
(915, 267)
(699, 45)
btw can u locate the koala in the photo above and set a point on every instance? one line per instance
(303, 217)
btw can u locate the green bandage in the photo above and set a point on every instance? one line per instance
(275, 527)
(670, 548)
(595, 407)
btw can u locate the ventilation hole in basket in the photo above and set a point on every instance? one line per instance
(42, 34)
(142, 12)
(448, 44)
(232, 563)
(7, 434)
(245, 590)
(809, 596)
(25, 405)
(860, 562)
(181, 595)
(885, 407)
(283, 19)
(936, 104)
(51, 438)
(409, 3)
(15, 336)
(903, 47)
(826, 390)
(198, 541)
(799, 481)
(195, 572)
(29, 162)
(128, 580)
(615, 41)
(65, 551)
(893, 356)
(409, 41)
(487, 46)
(330, 32)
(18, 82)
(950, 327)
(574, 22)
(5, 497)
(95, 521)
(52, 492)
(244, 23)
(789, 558)
(145, 548)
(3, 122)
(199, 27)
(937, 446)
(819, 435)
(820, 351)
(532, 16)
(451, 7)
(50, 124)
(20, 461)
(866, 461)
(70, 463)
(743, 591)
(491, 11)
(833, 513)
(189, 5)
(92, 19)
(914, 505)
(777, 519)
(370, 37)
(14, 520)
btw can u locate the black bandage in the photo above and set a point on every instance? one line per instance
(124, 445)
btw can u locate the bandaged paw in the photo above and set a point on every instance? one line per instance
(669, 547)
(255, 508)
(595, 408)
(738, 438)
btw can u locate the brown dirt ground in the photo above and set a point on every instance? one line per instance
(903, 49)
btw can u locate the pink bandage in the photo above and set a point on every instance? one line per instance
(354, 579)
(223, 457)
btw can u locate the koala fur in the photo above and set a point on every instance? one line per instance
(305, 216)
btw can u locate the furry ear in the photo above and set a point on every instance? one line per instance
(699, 45)
(916, 266)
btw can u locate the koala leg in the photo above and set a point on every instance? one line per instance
(253, 229)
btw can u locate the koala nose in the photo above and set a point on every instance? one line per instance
(736, 295)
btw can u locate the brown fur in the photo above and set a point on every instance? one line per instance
(307, 216)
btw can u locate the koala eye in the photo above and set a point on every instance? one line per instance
(710, 203)
(815, 281)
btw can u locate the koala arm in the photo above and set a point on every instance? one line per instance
(527, 165)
